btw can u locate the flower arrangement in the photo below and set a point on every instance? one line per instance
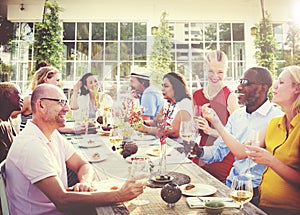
(135, 116)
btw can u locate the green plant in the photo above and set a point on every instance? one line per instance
(160, 57)
(6, 31)
(292, 56)
(265, 45)
(48, 43)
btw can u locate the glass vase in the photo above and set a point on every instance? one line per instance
(163, 159)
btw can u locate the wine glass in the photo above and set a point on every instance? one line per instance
(140, 171)
(116, 136)
(188, 134)
(253, 140)
(241, 189)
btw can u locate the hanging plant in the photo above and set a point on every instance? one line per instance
(48, 43)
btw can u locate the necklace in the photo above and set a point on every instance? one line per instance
(211, 97)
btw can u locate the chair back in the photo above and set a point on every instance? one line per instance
(4, 202)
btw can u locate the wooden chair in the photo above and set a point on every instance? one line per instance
(4, 202)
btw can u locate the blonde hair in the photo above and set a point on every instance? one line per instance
(295, 74)
(7, 87)
(218, 58)
(42, 74)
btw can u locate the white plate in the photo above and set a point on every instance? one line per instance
(153, 178)
(198, 190)
(154, 151)
(95, 159)
(143, 137)
(90, 143)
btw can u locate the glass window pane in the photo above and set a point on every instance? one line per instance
(126, 29)
(140, 51)
(225, 31)
(125, 69)
(210, 46)
(210, 31)
(69, 30)
(68, 73)
(97, 69)
(97, 51)
(82, 51)
(16, 31)
(196, 31)
(111, 51)
(239, 51)
(183, 68)
(81, 68)
(197, 69)
(69, 50)
(24, 51)
(111, 31)
(97, 31)
(182, 51)
(14, 50)
(140, 31)
(126, 50)
(110, 71)
(226, 48)
(82, 31)
(278, 32)
(238, 32)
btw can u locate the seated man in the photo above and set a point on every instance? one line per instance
(255, 115)
(36, 164)
(10, 100)
(151, 99)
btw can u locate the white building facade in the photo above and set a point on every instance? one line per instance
(108, 38)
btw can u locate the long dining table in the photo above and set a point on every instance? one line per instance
(112, 170)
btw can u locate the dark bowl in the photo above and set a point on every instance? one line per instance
(106, 128)
(214, 207)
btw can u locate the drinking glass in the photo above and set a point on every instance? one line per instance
(140, 171)
(241, 189)
(116, 136)
(188, 134)
(253, 140)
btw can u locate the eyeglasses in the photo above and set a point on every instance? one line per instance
(245, 82)
(61, 102)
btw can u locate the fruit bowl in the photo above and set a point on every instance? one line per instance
(214, 207)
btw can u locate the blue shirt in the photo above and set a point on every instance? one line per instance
(152, 101)
(239, 124)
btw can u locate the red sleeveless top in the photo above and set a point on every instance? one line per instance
(219, 103)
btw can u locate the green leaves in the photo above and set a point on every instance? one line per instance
(48, 43)
(160, 57)
(265, 45)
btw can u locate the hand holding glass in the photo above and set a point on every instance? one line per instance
(140, 171)
(253, 140)
(188, 134)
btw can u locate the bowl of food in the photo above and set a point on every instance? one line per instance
(214, 207)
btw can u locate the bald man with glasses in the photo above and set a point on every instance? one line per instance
(36, 165)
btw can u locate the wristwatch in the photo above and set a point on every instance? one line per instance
(199, 151)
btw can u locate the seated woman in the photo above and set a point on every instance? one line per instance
(86, 99)
(178, 107)
(279, 147)
(45, 74)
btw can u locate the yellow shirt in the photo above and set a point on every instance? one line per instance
(274, 191)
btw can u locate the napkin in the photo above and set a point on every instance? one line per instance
(198, 202)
